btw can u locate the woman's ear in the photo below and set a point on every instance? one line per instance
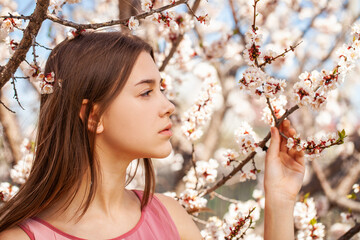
(92, 118)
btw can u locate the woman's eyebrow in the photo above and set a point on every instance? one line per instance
(148, 81)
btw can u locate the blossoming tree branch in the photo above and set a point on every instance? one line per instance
(260, 64)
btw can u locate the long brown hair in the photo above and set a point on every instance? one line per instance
(93, 66)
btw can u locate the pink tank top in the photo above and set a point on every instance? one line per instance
(155, 223)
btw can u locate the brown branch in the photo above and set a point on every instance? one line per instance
(250, 156)
(272, 110)
(292, 48)
(352, 231)
(225, 198)
(112, 22)
(333, 196)
(31, 30)
(16, 17)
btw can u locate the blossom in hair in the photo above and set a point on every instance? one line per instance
(190, 200)
(133, 23)
(146, 5)
(46, 82)
(246, 138)
(199, 114)
(73, 33)
(7, 191)
(8, 24)
(278, 105)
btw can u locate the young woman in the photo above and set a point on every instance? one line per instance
(107, 109)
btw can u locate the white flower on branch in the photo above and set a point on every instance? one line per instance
(205, 172)
(246, 138)
(277, 105)
(9, 24)
(305, 218)
(7, 191)
(55, 5)
(204, 18)
(146, 5)
(313, 88)
(228, 157)
(356, 188)
(239, 211)
(200, 113)
(133, 23)
(190, 200)
(213, 229)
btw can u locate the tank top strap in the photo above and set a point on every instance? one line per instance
(158, 218)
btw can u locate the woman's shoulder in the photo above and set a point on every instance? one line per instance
(183, 221)
(14, 233)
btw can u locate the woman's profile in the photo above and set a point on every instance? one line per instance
(106, 110)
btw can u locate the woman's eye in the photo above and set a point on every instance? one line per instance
(147, 93)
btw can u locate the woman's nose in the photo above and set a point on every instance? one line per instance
(168, 107)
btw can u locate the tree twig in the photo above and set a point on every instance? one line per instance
(124, 21)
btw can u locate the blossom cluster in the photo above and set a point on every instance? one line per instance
(205, 172)
(228, 157)
(169, 19)
(8, 25)
(246, 138)
(21, 170)
(239, 219)
(191, 200)
(314, 146)
(313, 88)
(305, 218)
(278, 106)
(256, 81)
(200, 113)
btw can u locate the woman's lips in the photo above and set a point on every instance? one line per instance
(167, 130)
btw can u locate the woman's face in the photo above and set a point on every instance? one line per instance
(137, 123)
